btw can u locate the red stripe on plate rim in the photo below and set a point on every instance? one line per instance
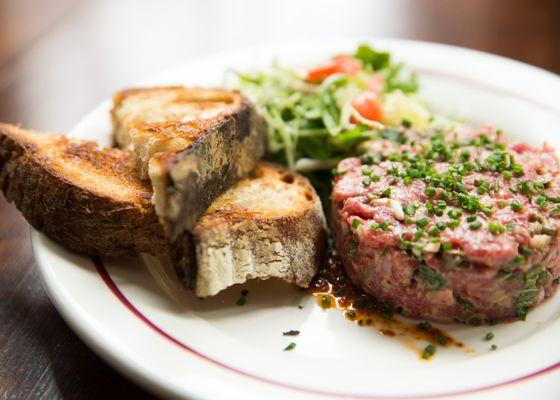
(112, 286)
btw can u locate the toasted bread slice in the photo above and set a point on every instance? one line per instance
(192, 143)
(86, 198)
(269, 225)
(160, 104)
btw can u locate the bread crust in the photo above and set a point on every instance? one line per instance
(236, 242)
(79, 216)
(268, 225)
(228, 151)
(189, 162)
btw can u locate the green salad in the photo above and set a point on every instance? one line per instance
(318, 116)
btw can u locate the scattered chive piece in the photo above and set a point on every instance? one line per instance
(386, 193)
(429, 351)
(355, 223)
(366, 181)
(441, 225)
(291, 332)
(496, 228)
(424, 326)
(446, 246)
(517, 170)
(373, 226)
(493, 347)
(487, 211)
(453, 224)
(290, 347)
(336, 172)
(507, 175)
(489, 336)
(430, 191)
(442, 340)
(243, 298)
(409, 209)
(516, 206)
(300, 307)
(422, 222)
(476, 224)
(454, 214)
(384, 226)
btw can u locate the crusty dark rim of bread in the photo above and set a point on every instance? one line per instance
(79, 219)
(187, 195)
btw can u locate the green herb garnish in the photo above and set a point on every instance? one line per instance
(433, 279)
(290, 347)
(429, 351)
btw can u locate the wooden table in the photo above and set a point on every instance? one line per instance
(58, 58)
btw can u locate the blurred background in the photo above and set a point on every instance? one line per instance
(59, 58)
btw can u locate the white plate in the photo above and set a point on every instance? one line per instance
(213, 349)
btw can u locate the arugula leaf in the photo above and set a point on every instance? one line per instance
(350, 139)
(315, 147)
(396, 79)
(376, 59)
(314, 121)
(431, 277)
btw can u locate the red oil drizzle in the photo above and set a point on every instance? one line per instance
(334, 290)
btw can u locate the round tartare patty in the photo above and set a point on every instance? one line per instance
(454, 226)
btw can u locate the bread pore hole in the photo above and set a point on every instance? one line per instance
(308, 196)
(288, 178)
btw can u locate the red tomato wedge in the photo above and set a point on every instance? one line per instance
(369, 106)
(376, 83)
(341, 64)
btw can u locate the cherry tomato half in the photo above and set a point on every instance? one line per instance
(341, 64)
(369, 106)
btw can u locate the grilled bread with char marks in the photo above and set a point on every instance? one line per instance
(87, 198)
(90, 200)
(191, 143)
(268, 225)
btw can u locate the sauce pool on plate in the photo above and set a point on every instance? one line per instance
(333, 289)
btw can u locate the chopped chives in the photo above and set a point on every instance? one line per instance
(422, 222)
(476, 224)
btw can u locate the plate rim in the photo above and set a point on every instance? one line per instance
(134, 372)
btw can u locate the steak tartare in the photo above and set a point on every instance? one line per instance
(450, 226)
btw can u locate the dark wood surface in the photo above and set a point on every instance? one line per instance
(58, 58)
